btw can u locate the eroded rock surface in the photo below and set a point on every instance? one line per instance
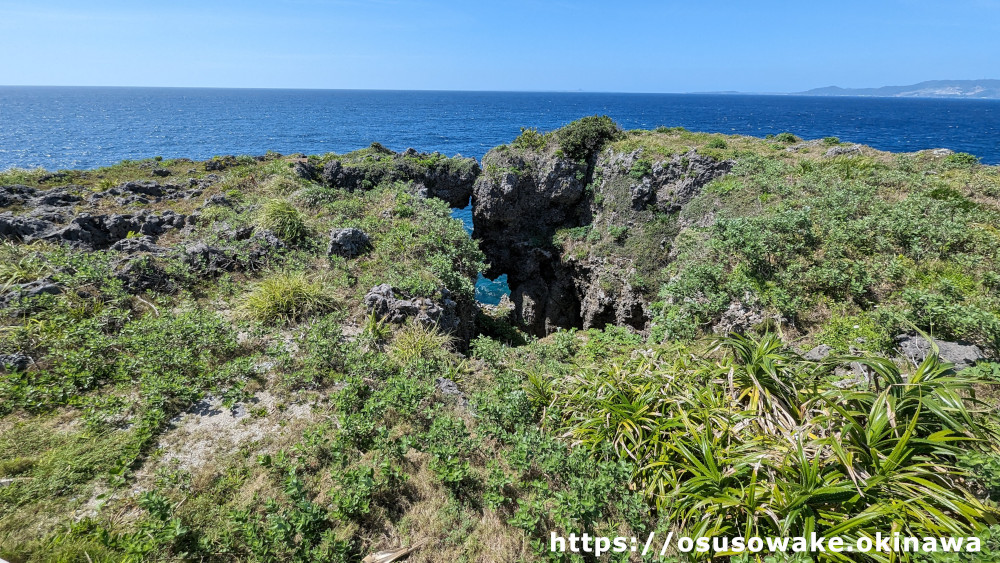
(432, 175)
(348, 243)
(525, 197)
(916, 348)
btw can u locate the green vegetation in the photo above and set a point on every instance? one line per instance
(256, 409)
(584, 137)
(284, 220)
(287, 297)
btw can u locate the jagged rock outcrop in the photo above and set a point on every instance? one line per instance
(348, 243)
(916, 348)
(455, 316)
(26, 291)
(433, 175)
(382, 300)
(244, 249)
(524, 197)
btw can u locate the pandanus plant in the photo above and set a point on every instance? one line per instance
(762, 442)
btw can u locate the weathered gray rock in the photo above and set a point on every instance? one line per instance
(842, 150)
(739, 318)
(449, 388)
(210, 260)
(305, 170)
(524, 197)
(96, 232)
(144, 187)
(442, 313)
(19, 293)
(916, 348)
(22, 228)
(449, 179)
(56, 197)
(135, 245)
(220, 163)
(217, 199)
(17, 194)
(142, 274)
(244, 250)
(15, 362)
(819, 353)
(348, 243)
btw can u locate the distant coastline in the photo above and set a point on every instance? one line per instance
(955, 89)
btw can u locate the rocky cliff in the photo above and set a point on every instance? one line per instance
(567, 231)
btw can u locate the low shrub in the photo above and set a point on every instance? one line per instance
(584, 137)
(716, 143)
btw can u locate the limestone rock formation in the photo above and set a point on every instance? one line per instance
(432, 175)
(348, 243)
(526, 196)
(916, 348)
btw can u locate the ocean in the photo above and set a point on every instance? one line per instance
(86, 127)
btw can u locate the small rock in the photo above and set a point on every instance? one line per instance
(134, 245)
(161, 172)
(843, 150)
(15, 362)
(449, 388)
(143, 274)
(218, 199)
(348, 243)
(819, 353)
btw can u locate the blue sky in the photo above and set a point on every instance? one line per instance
(623, 46)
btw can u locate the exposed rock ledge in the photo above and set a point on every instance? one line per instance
(523, 197)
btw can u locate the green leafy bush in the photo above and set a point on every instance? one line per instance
(530, 139)
(584, 137)
(716, 143)
(640, 169)
(961, 159)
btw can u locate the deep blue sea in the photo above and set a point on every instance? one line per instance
(76, 127)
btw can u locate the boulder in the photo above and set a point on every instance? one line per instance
(442, 313)
(916, 349)
(210, 260)
(14, 362)
(305, 170)
(739, 318)
(15, 195)
(142, 274)
(144, 187)
(819, 353)
(18, 293)
(22, 228)
(134, 245)
(842, 150)
(348, 243)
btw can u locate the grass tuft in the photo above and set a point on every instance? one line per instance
(287, 297)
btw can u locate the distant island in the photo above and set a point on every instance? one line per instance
(927, 89)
